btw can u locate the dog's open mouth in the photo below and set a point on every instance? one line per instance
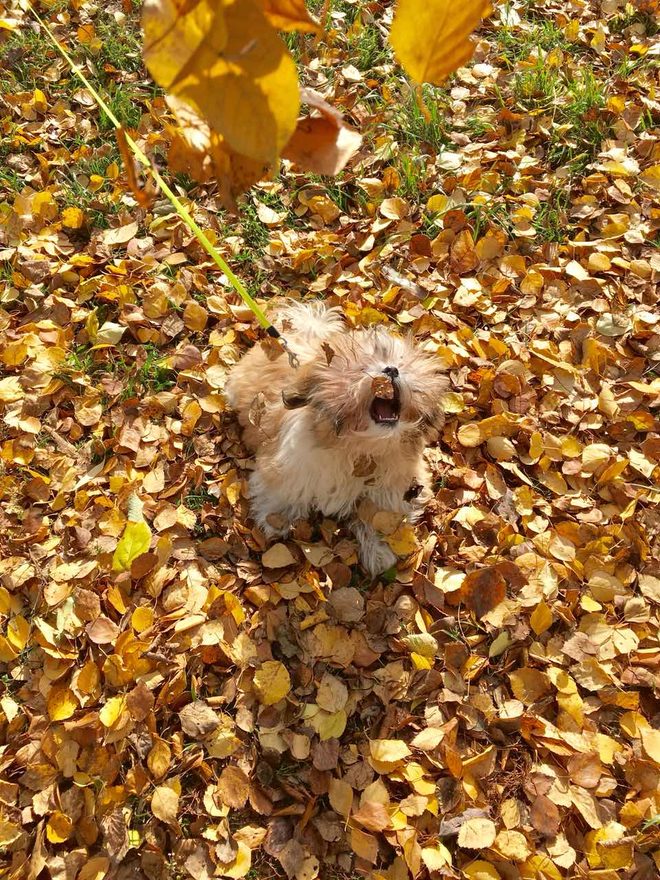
(386, 411)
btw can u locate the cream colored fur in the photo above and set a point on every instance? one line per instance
(313, 453)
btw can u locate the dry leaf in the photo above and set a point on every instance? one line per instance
(272, 682)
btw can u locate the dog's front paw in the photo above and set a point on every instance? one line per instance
(376, 556)
(274, 525)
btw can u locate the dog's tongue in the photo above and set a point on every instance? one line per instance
(383, 410)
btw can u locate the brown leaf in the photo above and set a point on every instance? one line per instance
(140, 701)
(233, 787)
(381, 386)
(545, 817)
(372, 816)
(483, 590)
(102, 631)
(463, 255)
(198, 720)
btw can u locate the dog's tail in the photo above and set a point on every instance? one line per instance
(311, 321)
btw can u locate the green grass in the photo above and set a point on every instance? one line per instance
(367, 50)
(482, 217)
(478, 127)
(412, 170)
(74, 190)
(576, 106)
(412, 126)
(537, 87)
(255, 233)
(153, 376)
(517, 44)
(124, 103)
(121, 46)
(197, 498)
(22, 59)
(550, 220)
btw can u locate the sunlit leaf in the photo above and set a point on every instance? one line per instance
(432, 39)
(134, 541)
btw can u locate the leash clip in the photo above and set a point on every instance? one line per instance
(274, 333)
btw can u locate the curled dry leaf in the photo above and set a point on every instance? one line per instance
(321, 143)
(198, 720)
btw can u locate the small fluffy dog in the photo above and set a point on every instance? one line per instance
(349, 424)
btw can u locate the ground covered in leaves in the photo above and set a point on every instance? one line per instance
(490, 709)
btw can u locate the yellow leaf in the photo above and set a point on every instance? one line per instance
(322, 144)
(436, 857)
(289, 15)
(436, 203)
(651, 743)
(364, 845)
(472, 434)
(142, 618)
(329, 725)
(616, 854)
(539, 867)
(541, 618)
(133, 543)
(61, 703)
(403, 542)
(158, 759)
(7, 652)
(529, 685)
(226, 61)
(421, 643)
(513, 845)
(73, 218)
(165, 803)
(18, 632)
(241, 864)
(271, 683)
(651, 177)
(8, 832)
(431, 38)
(195, 317)
(92, 325)
(94, 869)
(332, 693)
(389, 751)
(112, 711)
(59, 827)
(278, 556)
(421, 662)
(481, 870)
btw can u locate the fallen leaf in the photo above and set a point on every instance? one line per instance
(271, 682)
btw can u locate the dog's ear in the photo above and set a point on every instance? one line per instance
(297, 394)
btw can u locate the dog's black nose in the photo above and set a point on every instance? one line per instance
(392, 372)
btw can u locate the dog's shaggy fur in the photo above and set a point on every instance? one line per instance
(324, 439)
